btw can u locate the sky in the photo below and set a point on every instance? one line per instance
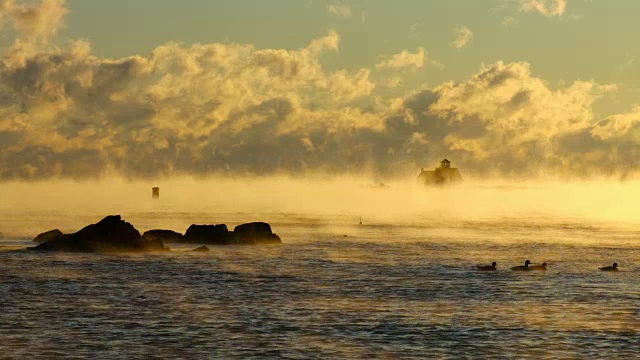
(150, 89)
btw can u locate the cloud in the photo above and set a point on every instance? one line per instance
(227, 108)
(521, 124)
(35, 21)
(404, 60)
(436, 64)
(509, 20)
(197, 109)
(463, 36)
(340, 10)
(618, 126)
(414, 30)
(545, 7)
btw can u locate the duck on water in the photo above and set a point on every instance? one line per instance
(524, 267)
(491, 267)
(542, 267)
(614, 267)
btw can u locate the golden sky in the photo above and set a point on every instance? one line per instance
(147, 89)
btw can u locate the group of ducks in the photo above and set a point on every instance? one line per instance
(542, 267)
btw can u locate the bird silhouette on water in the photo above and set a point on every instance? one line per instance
(542, 267)
(491, 267)
(524, 267)
(614, 267)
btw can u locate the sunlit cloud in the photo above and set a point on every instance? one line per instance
(404, 59)
(514, 117)
(230, 108)
(436, 64)
(544, 7)
(414, 30)
(34, 21)
(619, 126)
(509, 21)
(462, 37)
(340, 10)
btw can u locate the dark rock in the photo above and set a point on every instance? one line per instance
(207, 234)
(163, 235)
(254, 233)
(48, 236)
(111, 234)
(201, 249)
(257, 233)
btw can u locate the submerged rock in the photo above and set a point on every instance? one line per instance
(207, 234)
(163, 235)
(48, 236)
(111, 234)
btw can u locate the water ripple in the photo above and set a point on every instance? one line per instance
(321, 296)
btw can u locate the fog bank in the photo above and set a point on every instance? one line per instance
(400, 201)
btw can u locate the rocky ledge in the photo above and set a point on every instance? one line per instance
(48, 236)
(163, 235)
(113, 235)
(256, 233)
(110, 235)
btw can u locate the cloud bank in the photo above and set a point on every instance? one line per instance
(233, 109)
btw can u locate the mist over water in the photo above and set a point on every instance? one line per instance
(400, 285)
(379, 202)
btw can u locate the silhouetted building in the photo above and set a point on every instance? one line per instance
(443, 175)
(155, 193)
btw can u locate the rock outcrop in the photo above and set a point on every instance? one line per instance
(163, 235)
(48, 236)
(257, 233)
(113, 235)
(110, 235)
(207, 234)
(254, 233)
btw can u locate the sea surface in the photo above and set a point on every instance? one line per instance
(335, 289)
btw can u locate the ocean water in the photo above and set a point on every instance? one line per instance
(334, 289)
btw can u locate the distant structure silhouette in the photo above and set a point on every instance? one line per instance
(155, 192)
(443, 175)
